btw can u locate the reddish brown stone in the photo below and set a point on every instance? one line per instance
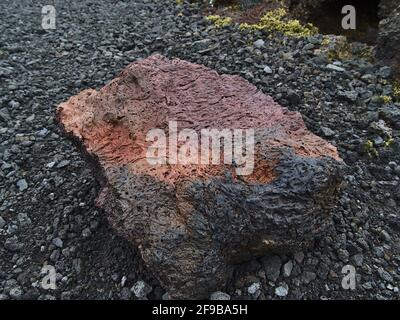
(191, 223)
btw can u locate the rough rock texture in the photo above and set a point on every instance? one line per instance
(192, 223)
(386, 7)
(388, 49)
(303, 8)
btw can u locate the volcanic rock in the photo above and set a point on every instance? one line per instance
(388, 48)
(192, 223)
(386, 7)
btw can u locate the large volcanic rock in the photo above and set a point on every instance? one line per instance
(191, 223)
(388, 48)
(386, 7)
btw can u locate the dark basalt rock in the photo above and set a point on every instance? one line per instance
(192, 223)
(388, 48)
(386, 7)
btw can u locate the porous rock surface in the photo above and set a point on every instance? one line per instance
(192, 223)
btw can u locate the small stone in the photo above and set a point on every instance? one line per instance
(43, 132)
(369, 78)
(22, 185)
(30, 118)
(357, 259)
(218, 295)
(391, 114)
(50, 164)
(2, 222)
(16, 293)
(335, 68)
(367, 286)
(379, 252)
(259, 43)
(254, 288)
(272, 266)
(125, 294)
(4, 115)
(385, 275)
(380, 127)
(86, 233)
(378, 140)
(327, 132)
(115, 277)
(268, 70)
(385, 72)
(385, 236)
(123, 281)
(299, 257)
(13, 104)
(63, 164)
(281, 291)
(55, 255)
(308, 46)
(58, 242)
(350, 96)
(141, 289)
(293, 97)
(343, 255)
(12, 244)
(287, 268)
(23, 219)
(309, 276)
(166, 296)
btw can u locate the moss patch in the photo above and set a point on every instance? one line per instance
(219, 21)
(396, 88)
(386, 99)
(370, 149)
(276, 21)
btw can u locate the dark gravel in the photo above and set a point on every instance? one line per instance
(47, 191)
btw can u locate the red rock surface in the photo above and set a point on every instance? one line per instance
(192, 222)
(113, 122)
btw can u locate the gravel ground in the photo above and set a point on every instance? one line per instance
(47, 191)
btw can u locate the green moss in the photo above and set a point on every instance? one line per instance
(274, 21)
(218, 21)
(335, 47)
(338, 48)
(367, 53)
(389, 142)
(386, 99)
(370, 149)
(396, 88)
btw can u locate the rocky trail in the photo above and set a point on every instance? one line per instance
(48, 214)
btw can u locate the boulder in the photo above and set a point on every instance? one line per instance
(192, 222)
(388, 47)
(304, 8)
(386, 7)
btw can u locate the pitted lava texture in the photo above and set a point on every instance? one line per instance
(191, 223)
